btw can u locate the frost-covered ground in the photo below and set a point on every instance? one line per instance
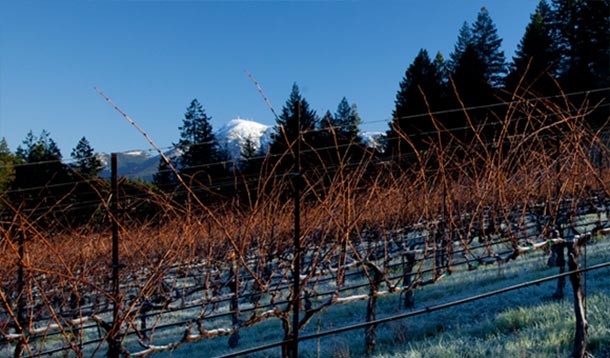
(521, 323)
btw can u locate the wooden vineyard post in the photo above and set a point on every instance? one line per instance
(440, 249)
(146, 307)
(293, 349)
(20, 324)
(114, 345)
(234, 302)
(557, 259)
(409, 301)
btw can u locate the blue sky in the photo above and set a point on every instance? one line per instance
(153, 57)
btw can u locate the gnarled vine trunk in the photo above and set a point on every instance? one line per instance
(580, 336)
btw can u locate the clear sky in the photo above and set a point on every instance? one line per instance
(153, 57)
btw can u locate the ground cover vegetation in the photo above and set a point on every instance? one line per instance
(484, 162)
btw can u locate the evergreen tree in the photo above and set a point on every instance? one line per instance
(249, 151)
(581, 29)
(39, 149)
(487, 43)
(536, 59)
(295, 110)
(338, 141)
(442, 68)
(327, 121)
(477, 69)
(164, 178)
(87, 165)
(473, 91)
(348, 121)
(45, 179)
(201, 155)
(85, 157)
(596, 54)
(249, 170)
(479, 45)
(329, 136)
(7, 169)
(345, 123)
(463, 41)
(250, 161)
(420, 92)
(467, 73)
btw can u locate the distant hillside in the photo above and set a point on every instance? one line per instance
(133, 164)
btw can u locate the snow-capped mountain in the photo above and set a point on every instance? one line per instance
(373, 139)
(231, 137)
(234, 135)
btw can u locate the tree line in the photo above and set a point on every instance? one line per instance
(564, 50)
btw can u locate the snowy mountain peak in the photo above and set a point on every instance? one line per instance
(373, 139)
(231, 137)
(234, 135)
(138, 153)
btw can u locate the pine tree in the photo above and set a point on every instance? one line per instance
(536, 60)
(295, 110)
(482, 38)
(87, 165)
(348, 121)
(442, 68)
(164, 178)
(7, 169)
(474, 91)
(327, 121)
(45, 179)
(250, 159)
(477, 70)
(596, 15)
(420, 92)
(464, 40)
(467, 74)
(86, 161)
(345, 123)
(39, 149)
(201, 155)
(581, 28)
(249, 150)
(338, 140)
(488, 44)
(329, 136)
